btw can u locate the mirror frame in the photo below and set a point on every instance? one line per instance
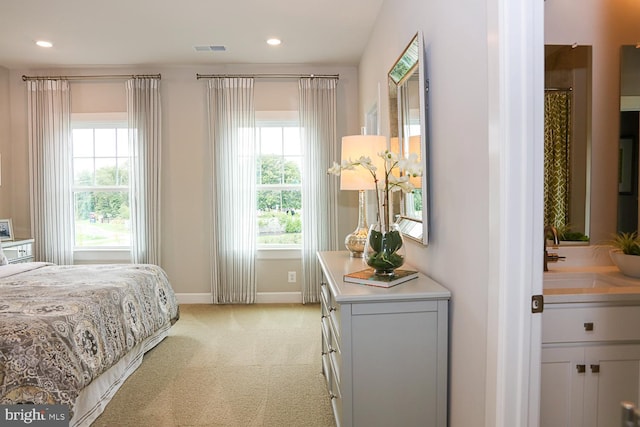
(405, 66)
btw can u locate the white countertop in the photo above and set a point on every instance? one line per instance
(337, 264)
(608, 285)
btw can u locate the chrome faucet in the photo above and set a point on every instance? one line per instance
(556, 241)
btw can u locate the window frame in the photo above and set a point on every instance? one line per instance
(277, 120)
(110, 253)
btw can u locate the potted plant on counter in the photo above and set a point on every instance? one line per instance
(626, 253)
(568, 236)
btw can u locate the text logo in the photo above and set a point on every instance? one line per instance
(34, 415)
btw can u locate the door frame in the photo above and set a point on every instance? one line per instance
(515, 37)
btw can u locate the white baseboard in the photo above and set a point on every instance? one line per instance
(194, 298)
(279, 297)
(261, 298)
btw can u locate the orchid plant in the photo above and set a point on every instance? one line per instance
(383, 253)
(395, 177)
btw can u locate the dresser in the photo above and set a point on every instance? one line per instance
(384, 350)
(18, 250)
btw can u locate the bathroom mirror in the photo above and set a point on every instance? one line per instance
(408, 133)
(628, 143)
(567, 141)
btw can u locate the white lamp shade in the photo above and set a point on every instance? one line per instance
(354, 147)
(414, 148)
(394, 144)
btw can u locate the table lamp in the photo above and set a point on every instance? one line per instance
(354, 147)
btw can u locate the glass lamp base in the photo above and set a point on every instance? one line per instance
(355, 242)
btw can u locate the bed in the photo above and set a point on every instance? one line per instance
(72, 334)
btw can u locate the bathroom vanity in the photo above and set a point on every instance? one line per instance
(590, 346)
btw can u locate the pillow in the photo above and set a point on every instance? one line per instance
(3, 257)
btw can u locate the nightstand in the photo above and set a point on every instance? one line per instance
(20, 250)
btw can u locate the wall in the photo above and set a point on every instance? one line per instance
(185, 212)
(5, 146)
(606, 25)
(455, 36)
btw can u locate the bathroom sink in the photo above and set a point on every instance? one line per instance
(577, 281)
(582, 284)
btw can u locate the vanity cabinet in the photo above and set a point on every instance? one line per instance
(590, 363)
(384, 350)
(18, 251)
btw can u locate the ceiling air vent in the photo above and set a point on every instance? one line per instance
(210, 48)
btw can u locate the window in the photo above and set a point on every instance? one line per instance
(101, 185)
(279, 184)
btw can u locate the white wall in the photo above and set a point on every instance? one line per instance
(185, 212)
(455, 35)
(5, 146)
(606, 25)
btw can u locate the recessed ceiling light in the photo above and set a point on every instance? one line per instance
(274, 42)
(43, 43)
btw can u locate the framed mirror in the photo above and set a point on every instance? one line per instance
(408, 134)
(567, 141)
(628, 165)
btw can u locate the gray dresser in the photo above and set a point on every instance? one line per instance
(384, 350)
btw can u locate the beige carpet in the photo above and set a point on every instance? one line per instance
(256, 365)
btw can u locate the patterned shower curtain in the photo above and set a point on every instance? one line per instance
(557, 148)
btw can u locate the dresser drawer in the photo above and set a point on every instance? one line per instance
(588, 324)
(335, 394)
(333, 311)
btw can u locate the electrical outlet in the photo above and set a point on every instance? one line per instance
(292, 277)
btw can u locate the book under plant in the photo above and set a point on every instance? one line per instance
(368, 277)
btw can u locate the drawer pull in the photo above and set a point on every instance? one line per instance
(595, 369)
(581, 368)
(588, 326)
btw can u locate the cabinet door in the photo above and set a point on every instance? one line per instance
(613, 375)
(395, 366)
(562, 386)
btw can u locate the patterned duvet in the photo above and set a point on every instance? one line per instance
(62, 326)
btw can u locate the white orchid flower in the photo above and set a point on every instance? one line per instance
(411, 165)
(406, 168)
(335, 169)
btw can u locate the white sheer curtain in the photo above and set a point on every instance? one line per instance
(233, 189)
(144, 117)
(319, 190)
(48, 103)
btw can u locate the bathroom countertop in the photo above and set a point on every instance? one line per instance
(602, 283)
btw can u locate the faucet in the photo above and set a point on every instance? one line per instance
(556, 241)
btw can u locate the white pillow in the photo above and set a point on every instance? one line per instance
(3, 257)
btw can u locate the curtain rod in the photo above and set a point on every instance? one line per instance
(562, 89)
(96, 77)
(270, 76)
